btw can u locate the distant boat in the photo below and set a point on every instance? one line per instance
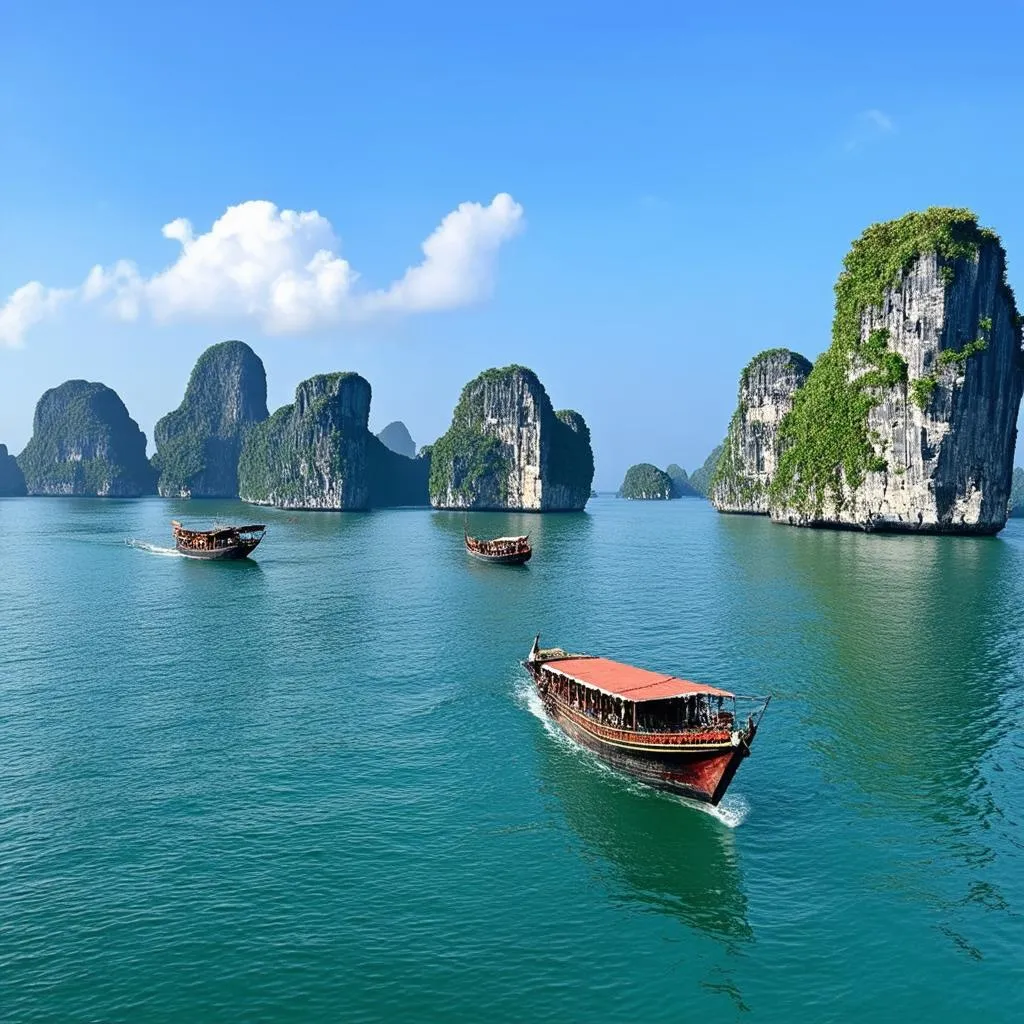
(226, 542)
(669, 733)
(500, 550)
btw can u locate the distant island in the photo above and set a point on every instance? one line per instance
(396, 436)
(645, 482)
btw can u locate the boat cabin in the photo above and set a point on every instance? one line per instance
(625, 697)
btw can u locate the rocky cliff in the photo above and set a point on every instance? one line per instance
(1017, 493)
(700, 479)
(199, 444)
(908, 420)
(751, 451)
(396, 436)
(12, 480)
(85, 443)
(318, 453)
(646, 483)
(681, 486)
(507, 448)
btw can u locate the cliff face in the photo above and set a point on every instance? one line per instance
(1017, 493)
(750, 454)
(508, 449)
(12, 480)
(681, 486)
(647, 483)
(908, 421)
(396, 436)
(85, 443)
(318, 453)
(700, 479)
(199, 444)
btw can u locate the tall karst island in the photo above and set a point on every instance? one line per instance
(12, 480)
(750, 454)
(318, 453)
(85, 443)
(199, 444)
(908, 420)
(508, 449)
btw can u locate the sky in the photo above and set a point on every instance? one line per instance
(632, 199)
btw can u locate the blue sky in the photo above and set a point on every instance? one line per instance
(684, 183)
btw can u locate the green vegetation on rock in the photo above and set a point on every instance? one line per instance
(700, 479)
(12, 480)
(681, 486)
(646, 482)
(1017, 493)
(826, 437)
(85, 443)
(199, 444)
(500, 414)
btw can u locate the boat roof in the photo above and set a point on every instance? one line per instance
(628, 681)
(494, 540)
(220, 530)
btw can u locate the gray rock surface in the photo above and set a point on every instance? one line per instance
(85, 443)
(750, 455)
(199, 444)
(318, 453)
(12, 480)
(948, 465)
(396, 436)
(507, 448)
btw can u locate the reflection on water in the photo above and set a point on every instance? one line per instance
(905, 687)
(673, 858)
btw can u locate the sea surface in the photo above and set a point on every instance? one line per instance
(314, 786)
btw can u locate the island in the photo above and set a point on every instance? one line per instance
(396, 436)
(85, 443)
(1017, 493)
(745, 468)
(318, 453)
(199, 444)
(681, 486)
(12, 480)
(508, 449)
(700, 479)
(645, 482)
(908, 420)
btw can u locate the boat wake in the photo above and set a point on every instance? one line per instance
(154, 549)
(731, 812)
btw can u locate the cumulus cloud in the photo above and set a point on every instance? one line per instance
(281, 269)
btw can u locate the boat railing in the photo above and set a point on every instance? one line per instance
(695, 734)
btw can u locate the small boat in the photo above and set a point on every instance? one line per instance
(669, 733)
(500, 550)
(226, 542)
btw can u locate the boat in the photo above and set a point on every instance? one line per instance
(225, 542)
(669, 733)
(500, 550)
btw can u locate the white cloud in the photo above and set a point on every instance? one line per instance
(869, 126)
(281, 270)
(27, 306)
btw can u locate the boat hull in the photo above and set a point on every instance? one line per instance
(699, 771)
(517, 559)
(226, 554)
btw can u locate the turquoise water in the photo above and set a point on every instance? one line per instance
(315, 787)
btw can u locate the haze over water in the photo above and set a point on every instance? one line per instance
(314, 786)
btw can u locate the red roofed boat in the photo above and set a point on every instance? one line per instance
(227, 542)
(667, 732)
(500, 550)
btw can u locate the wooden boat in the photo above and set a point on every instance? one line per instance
(500, 550)
(667, 732)
(227, 542)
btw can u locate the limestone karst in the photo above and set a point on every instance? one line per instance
(908, 420)
(198, 444)
(507, 448)
(85, 443)
(317, 453)
(645, 482)
(751, 451)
